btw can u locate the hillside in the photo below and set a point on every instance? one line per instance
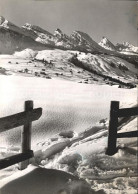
(71, 65)
(83, 67)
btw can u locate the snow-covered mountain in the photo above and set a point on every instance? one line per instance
(37, 36)
(83, 40)
(13, 38)
(105, 43)
(72, 147)
(58, 39)
(63, 40)
(124, 48)
(77, 40)
(127, 47)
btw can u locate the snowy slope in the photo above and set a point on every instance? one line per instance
(82, 155)
(35, 180)
(26, 54)
(97, 64)
(86, 157)
(78, 152)
(78, 66)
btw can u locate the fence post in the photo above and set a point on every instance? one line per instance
(113, 124)
(26, 135)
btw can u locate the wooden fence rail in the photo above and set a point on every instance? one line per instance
(24, 118)
(115, 113)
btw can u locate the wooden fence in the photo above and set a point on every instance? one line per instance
(23, 118)
(115, 113)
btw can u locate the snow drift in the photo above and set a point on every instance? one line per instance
(35, 180)
(82, 156)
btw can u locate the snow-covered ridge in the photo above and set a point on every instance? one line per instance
(63, 40)
(78, 40)
(35, 28)
(38, 34)
(13, 38)
(127, 47)
(4, 23)
(42, 38)
(85, 41)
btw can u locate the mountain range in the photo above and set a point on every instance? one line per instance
(14, 38)
(75, 53)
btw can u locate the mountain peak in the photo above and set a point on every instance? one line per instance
(2, 19)
(35, 29)
(58, 33)
(80, 36)
(61, 36)
(58, 30)
(127, 44)
(107, 44)
(3, 22)
(27, 25)
(127, 47)
(83, 40)
(7, 24)
(105, 39)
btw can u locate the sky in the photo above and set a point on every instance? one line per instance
(115, 19)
